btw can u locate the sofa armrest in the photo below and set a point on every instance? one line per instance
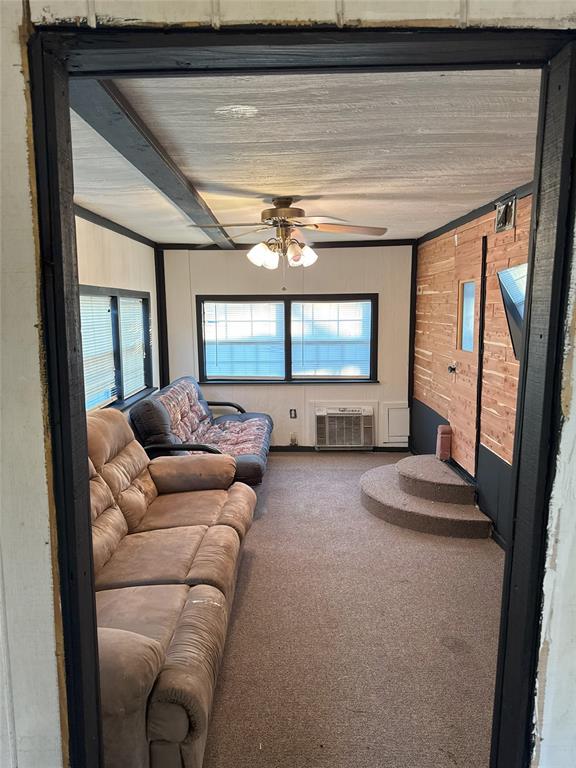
(181, 701)
(129, 665)
(178, 474)
(227, 404)
(157, 448)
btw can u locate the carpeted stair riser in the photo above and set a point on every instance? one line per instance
(427, 478)
(382, 496)
(424, 524)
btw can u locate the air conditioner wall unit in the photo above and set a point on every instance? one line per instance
(345, 428)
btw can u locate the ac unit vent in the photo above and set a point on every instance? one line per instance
(345, 428)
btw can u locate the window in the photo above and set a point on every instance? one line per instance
(98, 350)
(115, 344)
(132, 345)
(466, 316)
(288, 338)
(243, 340)
(331, 339)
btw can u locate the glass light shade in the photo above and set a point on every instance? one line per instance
(294, 254)
(271, 259)
(308, 256)
(258, 254)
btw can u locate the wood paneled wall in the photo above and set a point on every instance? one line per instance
(438, 276)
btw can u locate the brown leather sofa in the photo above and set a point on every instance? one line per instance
(166, 544)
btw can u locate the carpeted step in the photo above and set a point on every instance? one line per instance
(383, 497)
(429, 478)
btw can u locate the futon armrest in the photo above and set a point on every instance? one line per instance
(227, 404)
(157, 448)
(179, 474)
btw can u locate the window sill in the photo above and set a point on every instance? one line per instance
(125, 405)
(278, 382)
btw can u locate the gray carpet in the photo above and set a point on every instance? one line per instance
(354, 643)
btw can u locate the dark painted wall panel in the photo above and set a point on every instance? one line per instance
(424, 423)
(494, 484)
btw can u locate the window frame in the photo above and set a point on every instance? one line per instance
(121, 402)
(460, 326)
(287, 300)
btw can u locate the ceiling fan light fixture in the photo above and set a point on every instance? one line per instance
(258, 254)
(309, 256)
(294, 254)
(272, 259)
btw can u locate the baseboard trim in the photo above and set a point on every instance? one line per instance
(464, 474)
(500, 540)
(292, 448)
(312, 449)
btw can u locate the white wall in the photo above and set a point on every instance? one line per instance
(440, 13)
(383, 270)
(30, 655)
(556, 700)
(110, 260)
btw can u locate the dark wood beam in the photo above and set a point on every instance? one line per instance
(119, 53)
(103, 107)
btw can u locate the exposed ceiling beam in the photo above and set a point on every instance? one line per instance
(103, 107)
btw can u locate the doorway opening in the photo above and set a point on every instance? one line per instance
(63, 63)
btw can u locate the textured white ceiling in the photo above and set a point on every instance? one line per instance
(409, 151)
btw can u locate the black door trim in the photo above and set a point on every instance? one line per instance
(538, 413)
(130, 53)
(65, 379)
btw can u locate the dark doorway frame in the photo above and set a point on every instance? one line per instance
(57, 54)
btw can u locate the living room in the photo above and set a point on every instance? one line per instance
(332, 307)
(300, 320)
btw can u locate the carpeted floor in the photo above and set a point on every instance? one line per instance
(354, 643)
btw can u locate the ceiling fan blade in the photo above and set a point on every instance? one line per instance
(319, 220)
(252, 231)
(224, 226)
(349, 228)
(301, 235)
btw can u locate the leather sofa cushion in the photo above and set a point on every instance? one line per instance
(234, 507)
(177, 474)
(108, 523)
(122, 463)
(152, 611)
(188, 555)
(129, 667)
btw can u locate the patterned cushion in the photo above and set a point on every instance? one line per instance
(188, 419)
(238, 437)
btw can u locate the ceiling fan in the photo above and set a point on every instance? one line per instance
(287, 221)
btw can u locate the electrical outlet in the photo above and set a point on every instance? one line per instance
(293, 438)
(293, 414)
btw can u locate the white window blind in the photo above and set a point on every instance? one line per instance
(331, 339)
(133, 335)
(98, 350)
(243, 340)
